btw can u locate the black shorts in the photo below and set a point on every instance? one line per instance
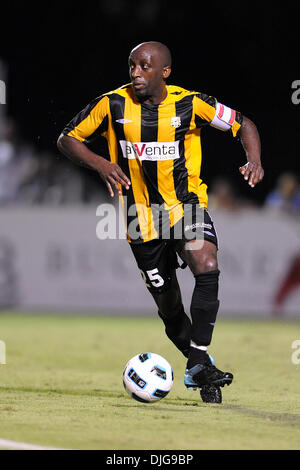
(157, 259)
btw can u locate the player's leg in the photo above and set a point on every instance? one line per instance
(171, 311)
(200, 254)
(204, 304)
(157, 262)
(204, 308)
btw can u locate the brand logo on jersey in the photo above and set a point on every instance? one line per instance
(176, 121)
(123, 121)
(198, 225)
(151, 151)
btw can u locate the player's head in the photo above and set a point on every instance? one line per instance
(149, 67)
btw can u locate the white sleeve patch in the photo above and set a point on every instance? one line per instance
(224, 117)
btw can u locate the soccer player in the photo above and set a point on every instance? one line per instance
(153, 133)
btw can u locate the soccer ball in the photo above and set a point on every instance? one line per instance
(148, 377)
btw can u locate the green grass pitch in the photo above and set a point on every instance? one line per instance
(62, 386)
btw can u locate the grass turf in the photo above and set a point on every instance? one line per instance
(62, 386)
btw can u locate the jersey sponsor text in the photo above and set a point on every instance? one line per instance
(151, 151)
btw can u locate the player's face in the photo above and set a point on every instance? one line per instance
(147, 73)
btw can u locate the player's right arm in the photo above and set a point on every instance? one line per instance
(79, 153)
(85, 126)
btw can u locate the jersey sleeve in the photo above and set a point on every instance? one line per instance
(208, 111)
(91, 122)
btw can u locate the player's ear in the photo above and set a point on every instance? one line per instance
(166, 72)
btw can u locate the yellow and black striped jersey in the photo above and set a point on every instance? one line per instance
(157, 146)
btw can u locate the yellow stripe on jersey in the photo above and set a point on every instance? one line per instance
(194, 152)
(90, 119)
(235, 128)
(203, 109)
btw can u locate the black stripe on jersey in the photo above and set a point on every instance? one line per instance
(149, 133)
(208, 99)
(239, 117)
(201, 122)
(97, 133)
(184, 109)
(81, 115)
(117, 107)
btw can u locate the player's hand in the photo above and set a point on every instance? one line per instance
(253, 173)
(113, 176)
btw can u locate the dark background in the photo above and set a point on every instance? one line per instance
(61, 55)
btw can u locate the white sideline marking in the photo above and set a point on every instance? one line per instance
(13, 445)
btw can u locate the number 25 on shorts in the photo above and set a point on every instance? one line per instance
(153, 276)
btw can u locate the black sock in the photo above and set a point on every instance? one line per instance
(204, 307)
(178, 329)
(197, 356)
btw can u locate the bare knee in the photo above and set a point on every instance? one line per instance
(209, 263)
(202, 260)
(204, 265)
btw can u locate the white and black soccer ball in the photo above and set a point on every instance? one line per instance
(148, 377)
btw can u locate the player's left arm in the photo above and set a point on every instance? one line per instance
(209, 111)
(252, 171)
